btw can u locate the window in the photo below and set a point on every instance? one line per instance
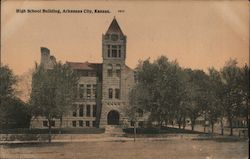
(110, 69)
(94, 91)
(109, 52)
(81, 110)
(45, 123)
(74, 113)
(75, 91)
(140, 112)
(53, 123)
(119, 50)
(94, 110)
(88, 111)
(114, 51)
(81, 91)
(118, 73)
(118, 70)
(88, 91)
(87, 123)
(80, 123)
(81, 95)
(110, 93)
(132, 123)
(140, 124)
(94, 123)
(117, 93)
(74, 123)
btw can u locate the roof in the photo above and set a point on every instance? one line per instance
(91, 66)
(85, 66)
(114, 28)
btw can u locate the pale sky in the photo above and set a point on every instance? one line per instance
(199, 34)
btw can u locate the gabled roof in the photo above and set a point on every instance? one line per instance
(85, 66)
(114, 28)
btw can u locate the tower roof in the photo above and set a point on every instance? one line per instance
(114, 28)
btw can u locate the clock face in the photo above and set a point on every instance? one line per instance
(114, 37)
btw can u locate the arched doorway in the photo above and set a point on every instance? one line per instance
(113, 117)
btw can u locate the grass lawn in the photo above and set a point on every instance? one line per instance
(156, 132)
(167, 149)
(54, 131)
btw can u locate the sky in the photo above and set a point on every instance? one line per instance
(198, 34)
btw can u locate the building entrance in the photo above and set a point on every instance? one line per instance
(113, 118)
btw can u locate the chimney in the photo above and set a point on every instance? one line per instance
(45, 55)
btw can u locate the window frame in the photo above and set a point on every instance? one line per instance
(117, 93)
(110, 93)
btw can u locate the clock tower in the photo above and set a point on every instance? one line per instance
(113, 69)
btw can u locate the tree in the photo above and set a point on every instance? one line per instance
(13, 112)
(244, 86)
(8, 80)
(232, 91)
(215, 104)
(196, 104)
(159, 89)
(53, 92)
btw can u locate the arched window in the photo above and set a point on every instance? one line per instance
(110, 93)
(118, 70)
(110, 69)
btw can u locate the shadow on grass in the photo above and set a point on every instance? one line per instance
(158, 132)
(40, 144)
(53, 131)
(222, 139)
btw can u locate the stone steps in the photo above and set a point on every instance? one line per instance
(114, 130)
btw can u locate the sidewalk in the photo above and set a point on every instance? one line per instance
(102, 138)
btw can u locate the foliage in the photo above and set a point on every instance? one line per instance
(53, 91)
(13, 112)
(8, 80)
(233, 90)
(159, 89)
(169, 92)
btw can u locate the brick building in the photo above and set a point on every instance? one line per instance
(103, 88)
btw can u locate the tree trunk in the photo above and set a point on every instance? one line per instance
(231, 127)
(60, 129)
(49, 131)
(134, 131)
(222, 127)
(205, 123)
(192, 125)
(184, 123)
(179, 122)
(248, 124)
(212, 124)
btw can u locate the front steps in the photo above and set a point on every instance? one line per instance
(114, 130)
